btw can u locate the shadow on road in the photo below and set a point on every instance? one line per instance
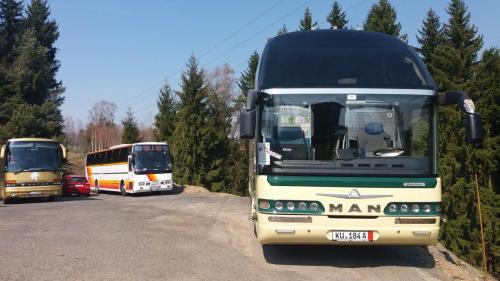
(348, 256)
(44, 200)
(176, 191)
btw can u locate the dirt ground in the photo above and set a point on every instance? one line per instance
(189, 235)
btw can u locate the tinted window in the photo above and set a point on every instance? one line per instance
(82, 179)
(297, 66)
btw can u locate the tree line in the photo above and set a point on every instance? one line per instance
(200, 120)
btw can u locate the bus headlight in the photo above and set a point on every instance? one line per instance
(302, 206)
(426, 208)
(393, 208)
(278, 205)
(404, 208)
(292, 207)
(314, 206)
(417, 209)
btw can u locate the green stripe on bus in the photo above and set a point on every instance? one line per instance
(352, 181)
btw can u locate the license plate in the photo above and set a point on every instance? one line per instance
(348, 236)
(35, 192)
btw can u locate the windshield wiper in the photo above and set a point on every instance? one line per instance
(22, 170)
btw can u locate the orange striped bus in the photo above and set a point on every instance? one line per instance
(131, 168)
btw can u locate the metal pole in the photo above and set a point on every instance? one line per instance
(481, 224)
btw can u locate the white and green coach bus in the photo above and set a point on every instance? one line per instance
(343, 127)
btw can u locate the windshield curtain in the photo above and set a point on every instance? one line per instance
(347, 134)
(152, 158)
(33, 156)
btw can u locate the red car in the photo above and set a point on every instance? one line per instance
(75, 185)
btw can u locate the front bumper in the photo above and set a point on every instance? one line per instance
(30, 192)
(148, 188)
(385, 230)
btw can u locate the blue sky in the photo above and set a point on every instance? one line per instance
(123, 51)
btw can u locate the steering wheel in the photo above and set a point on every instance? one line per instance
(389, 152)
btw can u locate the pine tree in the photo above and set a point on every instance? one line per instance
(28, 71)
(486, 159)
(306, 23)
(46, 30)
(165, 119)
(382, 18)
(188, 155)
(431, 36)
(454, 67)
(282, 31)
(130, 128)
(337, 17)
(247, 79)
(10, 26)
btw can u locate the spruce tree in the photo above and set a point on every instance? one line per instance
(306, 23)
(164, 123)
(10, 26)
(431, 36)
(337, 17)
(188, 155)
(486, 159)
(454, 67)
(247, 79)
(130, 132)
(28, 71)
(282, 31)
(382, 18)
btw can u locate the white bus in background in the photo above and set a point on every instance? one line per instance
(131, 168)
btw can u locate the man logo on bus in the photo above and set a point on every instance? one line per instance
(34, 176)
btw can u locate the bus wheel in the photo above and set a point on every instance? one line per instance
(96, 187)
(122, 189)
(50, 199)
(6, 201)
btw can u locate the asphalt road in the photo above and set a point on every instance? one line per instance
(184, 236)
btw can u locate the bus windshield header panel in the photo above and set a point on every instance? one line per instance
(341, 59)
(346, 134)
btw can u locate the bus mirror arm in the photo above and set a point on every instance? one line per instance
(472, 120)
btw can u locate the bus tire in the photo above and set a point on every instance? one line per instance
(6, 201)
(51, 198)
(122, 189)
(96, 187)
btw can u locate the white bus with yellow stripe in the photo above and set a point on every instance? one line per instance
(131, 168)
(343, 127)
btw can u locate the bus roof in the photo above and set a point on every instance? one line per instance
(31, 139)
(128, 145)
(341, 59)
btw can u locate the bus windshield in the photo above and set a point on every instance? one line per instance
(152, 158)
(355, 134)
(33, 156)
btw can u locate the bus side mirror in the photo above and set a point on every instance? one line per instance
(2, 152)
(247, 124)
(472, 120)
(130, 162)
(64, 154)
(251, 99)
